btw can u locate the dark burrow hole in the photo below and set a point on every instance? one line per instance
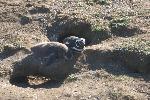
(65, 27)
(34, 81)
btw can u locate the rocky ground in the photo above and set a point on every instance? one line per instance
(116, 58)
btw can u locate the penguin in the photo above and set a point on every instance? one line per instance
(49, 59)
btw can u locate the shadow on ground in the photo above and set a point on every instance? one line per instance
(112, 63)
(47, 85)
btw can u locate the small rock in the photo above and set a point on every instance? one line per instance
(41, 9)
(24, 20)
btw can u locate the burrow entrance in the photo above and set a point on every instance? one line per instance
(65, 27)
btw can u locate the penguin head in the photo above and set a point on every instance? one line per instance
(75, 43)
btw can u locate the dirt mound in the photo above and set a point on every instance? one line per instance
(132, 53)
(111, 29)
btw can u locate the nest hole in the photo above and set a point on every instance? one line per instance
(63, 28)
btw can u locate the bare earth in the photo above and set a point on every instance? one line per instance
(107, 82)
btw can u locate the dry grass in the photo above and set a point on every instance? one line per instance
(103, 78)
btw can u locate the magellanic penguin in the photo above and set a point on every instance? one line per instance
(50, 59)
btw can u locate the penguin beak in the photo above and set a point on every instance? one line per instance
(81, 42)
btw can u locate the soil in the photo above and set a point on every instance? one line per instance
(108, 80)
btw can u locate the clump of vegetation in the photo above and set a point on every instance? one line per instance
(99, 31)
(100, 2)
(10, 49)
(119, 23)
(135, 52)
(119, 26)
(24, 20)
(99, 34)
(12, 41)
(71, 78)
(39, 9)
(120, 96)
(140, 45)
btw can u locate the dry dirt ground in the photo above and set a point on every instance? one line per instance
(19, 26)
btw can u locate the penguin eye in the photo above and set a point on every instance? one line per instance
(77, 44)
(80, 43)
